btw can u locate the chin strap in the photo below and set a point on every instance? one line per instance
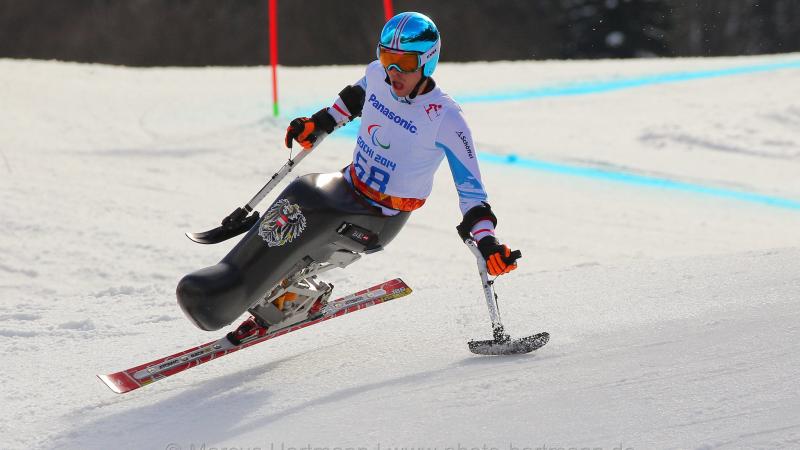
(428, 87)
(415, 91)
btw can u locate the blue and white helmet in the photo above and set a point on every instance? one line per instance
(413, 32)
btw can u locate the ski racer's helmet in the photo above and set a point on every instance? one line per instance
(410, 40)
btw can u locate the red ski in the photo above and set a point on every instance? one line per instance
(142, 375)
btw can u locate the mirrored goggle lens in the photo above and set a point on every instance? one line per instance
(405, 62)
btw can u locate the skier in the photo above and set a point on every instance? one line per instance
(408, 126)
(321, 222)
(325, 221)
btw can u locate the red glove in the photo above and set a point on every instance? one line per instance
(499, 258)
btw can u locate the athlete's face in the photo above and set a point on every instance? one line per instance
(403, 82)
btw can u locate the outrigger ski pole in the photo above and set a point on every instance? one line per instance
(502, 344)
(238, 221)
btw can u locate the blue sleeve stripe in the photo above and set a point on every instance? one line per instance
(467, 185)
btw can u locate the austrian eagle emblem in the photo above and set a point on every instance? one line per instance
(282, 223)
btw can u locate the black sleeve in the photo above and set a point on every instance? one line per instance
(353, 98)
(473, 216)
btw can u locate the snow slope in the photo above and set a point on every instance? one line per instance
(673, 314)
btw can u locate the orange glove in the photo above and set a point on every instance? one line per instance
(303, 130)
(499, 258)
(306, 131)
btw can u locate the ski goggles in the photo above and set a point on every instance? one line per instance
(403, 61)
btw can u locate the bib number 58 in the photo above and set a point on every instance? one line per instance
(378, 178)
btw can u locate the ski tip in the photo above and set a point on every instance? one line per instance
(119, 382)
(216, 235)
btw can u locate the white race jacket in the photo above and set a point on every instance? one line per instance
(402, 142)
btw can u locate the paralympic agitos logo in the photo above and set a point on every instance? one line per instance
(372, 130)
(399, 120)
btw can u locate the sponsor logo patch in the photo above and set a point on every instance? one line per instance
(466, 144)
(433, 110)
(397, 119)
(282, 223)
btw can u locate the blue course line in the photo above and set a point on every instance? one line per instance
(597, 87)
(640, 180)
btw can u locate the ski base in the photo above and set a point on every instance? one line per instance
(148, 373)
(508, 346)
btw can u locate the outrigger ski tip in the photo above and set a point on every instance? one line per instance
(235, 224)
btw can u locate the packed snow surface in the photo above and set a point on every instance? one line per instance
(673, 314)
